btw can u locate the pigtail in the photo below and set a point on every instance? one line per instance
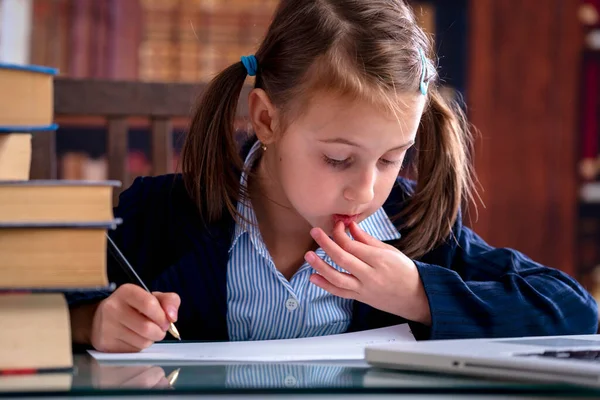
(210, 159)
(444, 176)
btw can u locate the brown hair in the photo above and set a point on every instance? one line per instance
(368, 49)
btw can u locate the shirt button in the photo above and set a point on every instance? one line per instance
(290, 381)
(291, 304)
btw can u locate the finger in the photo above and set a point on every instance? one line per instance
(337, 278)
(141, 325)
(149, 378)
(163, 383)
(362, 251)
(122, 347)
(118, 345)
(146, 304)
(170, 303)
(133, 339)
(337, 254)
(111, 336)
(340, 236)
(363, 237)
(108, 377)
(324, 284)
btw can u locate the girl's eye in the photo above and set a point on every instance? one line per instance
(335, 162)
(346, 162)
(388, 163)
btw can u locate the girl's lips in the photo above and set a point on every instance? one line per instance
(346, 219)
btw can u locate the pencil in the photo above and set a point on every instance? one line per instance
(128, 269)
(172, 378)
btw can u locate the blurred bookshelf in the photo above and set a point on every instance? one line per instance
(588, 212)
(184, 41)
(188, 41)
(152, 41)
(167, 40)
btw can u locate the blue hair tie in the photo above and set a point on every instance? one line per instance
(251, 64)
(423, 86)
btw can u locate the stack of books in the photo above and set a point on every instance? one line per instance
(52, 232)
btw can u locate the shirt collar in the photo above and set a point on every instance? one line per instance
(377, 225)
(380, 226)
(244, 207)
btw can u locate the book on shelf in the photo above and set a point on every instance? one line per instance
(27, 100)
(192, 41)
(588, 247)
(52, 233)
(54, 255)
(15, 156)
(58, 201)
(589, 163)
(35, 334)
(590, 192)
(588, 211)
(59, 381)
(52, 239)
(26, 107)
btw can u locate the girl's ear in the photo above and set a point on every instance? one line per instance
(263, 116)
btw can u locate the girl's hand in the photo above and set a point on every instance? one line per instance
(131, 319)
(379, 274)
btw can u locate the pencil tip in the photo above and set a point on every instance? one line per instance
(173, 330)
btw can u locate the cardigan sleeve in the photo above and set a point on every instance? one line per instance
(476, 290)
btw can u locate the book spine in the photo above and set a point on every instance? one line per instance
(64, 290)
(31, 371)
(589, 128)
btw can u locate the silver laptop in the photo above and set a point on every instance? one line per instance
(569, 359)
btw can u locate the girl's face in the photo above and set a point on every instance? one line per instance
(340, 159)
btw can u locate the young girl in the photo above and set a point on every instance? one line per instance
(253, 244)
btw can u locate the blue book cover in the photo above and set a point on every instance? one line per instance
(61, 225)
(61, 182)
(27, 129)
(34, 69)
(30, 68)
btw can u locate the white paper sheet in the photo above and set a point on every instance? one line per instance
(346, 346)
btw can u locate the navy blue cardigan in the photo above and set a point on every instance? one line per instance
(474, 290)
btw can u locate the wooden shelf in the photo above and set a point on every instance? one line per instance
(90, 121)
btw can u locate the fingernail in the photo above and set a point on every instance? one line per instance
(310, 257)
(172, 313)
(314, 233)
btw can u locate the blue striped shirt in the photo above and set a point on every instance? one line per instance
(291, 375)
(262, 304)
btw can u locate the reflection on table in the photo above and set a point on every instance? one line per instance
(91, 377)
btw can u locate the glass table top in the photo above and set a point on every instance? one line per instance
(91, 378)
